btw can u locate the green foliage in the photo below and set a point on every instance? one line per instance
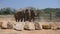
(6, 11)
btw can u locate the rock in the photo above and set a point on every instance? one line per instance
(9, 25)
(4, 24)
(40, 25)
(19, 26)
(1, 24)
(37, 26)
(58, 25)
(53, 26)
(29, 26)
(46, 26)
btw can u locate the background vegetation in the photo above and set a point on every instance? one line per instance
(47, 11)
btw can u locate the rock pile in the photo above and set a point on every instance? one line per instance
(28, 25)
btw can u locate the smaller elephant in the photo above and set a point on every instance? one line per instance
(19, 16)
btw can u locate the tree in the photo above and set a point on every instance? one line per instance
(6, 11)
(13, 11)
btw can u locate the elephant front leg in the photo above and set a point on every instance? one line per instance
(21, 19)
(18, 20)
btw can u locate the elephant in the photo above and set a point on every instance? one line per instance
(19, 16)
(25, 15)
(29, 15)
(32, 15)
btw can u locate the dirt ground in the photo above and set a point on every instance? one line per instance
(10, 31)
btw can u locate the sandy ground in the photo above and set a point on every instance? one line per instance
(10, 31)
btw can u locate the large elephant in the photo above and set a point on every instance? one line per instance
(29, 15)
(32, 15)
(26, 15)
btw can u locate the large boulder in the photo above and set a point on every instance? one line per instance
(19, 26)
(53, 26)
(58, 25)
(10, 25)
(4, 24)
(46, 26)
(29, 26)
(37, 26)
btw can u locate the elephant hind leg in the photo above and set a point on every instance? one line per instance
(33, 19)
(21, 19)
(29, 19)
(16, 19)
